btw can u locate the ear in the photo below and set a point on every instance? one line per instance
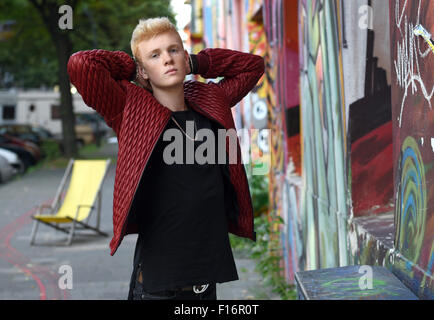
(142, 72)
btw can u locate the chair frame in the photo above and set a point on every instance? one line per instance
(55, 206)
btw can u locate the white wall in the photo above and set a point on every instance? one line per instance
(354, 56)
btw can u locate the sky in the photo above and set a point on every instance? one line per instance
(183, 15)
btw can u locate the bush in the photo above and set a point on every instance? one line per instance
(258, 185)
(50, 149)
(267, 251)
(267, 248)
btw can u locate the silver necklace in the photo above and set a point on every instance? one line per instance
(195, 129)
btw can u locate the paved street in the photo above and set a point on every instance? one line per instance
(32, 272)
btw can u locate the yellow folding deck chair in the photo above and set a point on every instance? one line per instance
(84, 188)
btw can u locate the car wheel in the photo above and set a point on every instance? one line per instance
(21, 168)
(26, 162)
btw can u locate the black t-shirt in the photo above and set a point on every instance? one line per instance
(183, 236)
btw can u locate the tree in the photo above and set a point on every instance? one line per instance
(37, 54)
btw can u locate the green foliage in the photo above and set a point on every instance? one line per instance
(267, 248)
(51, 150)
(109, 24)
(52, 157)
(267, 251)
(258, 185)
(88, 149)
(240, 244)
(91, 151)
(30, 55)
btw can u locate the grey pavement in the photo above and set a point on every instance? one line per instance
(32, 272)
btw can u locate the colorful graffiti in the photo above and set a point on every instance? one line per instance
(272, 57)
(371, 240)
(283, 93)
(347, 283)
(257, 116)
(324, 199)
(413, 122)
(367, 143)
(411, 201)
(196, 31)
(292, 236)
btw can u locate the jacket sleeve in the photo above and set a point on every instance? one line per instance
(98, 75)
(241, 71)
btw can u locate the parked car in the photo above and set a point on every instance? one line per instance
(43, 133)
(84, 134)
(21, 131)
(26, 156)
(29, 146)
(13, 159)
(6, 170)
(98, 124)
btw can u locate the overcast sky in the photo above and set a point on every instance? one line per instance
(183, 15)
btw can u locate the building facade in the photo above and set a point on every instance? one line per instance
(36, 107)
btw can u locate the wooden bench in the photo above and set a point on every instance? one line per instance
(351, 283)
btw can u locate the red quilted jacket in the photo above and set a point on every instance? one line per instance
(103, 79)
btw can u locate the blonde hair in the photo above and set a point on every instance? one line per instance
(148, 28)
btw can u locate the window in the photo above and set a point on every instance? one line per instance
(55, 112)
(8, 112)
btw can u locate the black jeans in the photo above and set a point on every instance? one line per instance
(139, 294)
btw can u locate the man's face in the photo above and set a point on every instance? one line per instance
(160, 54)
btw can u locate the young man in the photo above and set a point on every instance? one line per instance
(182, 211)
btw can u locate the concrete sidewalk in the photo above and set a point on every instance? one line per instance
(32, 272)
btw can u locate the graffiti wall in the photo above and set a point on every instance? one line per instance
(290, 96)
(196, 29)
(413, 154)
(347, 98)
(324, 207)
(257, 108)
(272, 17)
(367, 95)
(403, 238)
(280, 23)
